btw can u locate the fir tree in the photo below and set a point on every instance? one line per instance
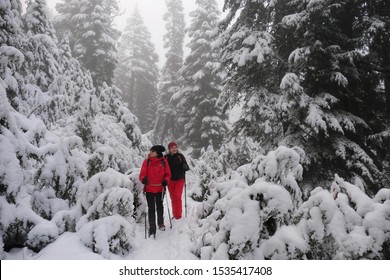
(321, 100)
(203, 121)
(93, 35)
(294, 66)
(250, 59)
(137, 72)
(12, 42)
(45, 96)
(166, 126)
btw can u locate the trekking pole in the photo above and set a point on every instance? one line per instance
(169, 212)
(145, 212)
(185, 196)
(145, 226)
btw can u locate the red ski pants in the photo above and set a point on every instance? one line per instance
(175, 189)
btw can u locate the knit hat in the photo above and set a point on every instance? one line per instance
(159, 149)
(172, 144)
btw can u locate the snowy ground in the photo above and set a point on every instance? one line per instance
(173, 244)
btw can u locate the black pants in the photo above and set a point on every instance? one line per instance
(155, 201)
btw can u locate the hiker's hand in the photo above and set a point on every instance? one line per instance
(145, 180)
(164, 183)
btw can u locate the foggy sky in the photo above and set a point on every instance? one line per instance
(152, 12)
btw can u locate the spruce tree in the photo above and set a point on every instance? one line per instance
(12, 42)
(374, 26)
(137, 72)
(46, 93)
(294, 65)
(203, 121)
(326, 89)
(93, 35)
(249, 57)
(42, 39)
(166, 125)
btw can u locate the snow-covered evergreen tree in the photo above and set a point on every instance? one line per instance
(376, 24)
(12, 42)
(321, 98)
(296, 73)
(375, 37)
(46, 94)
(167, 126)
(203, 121)
(43, 42)
(93, 35)
(137, 72)
(250, 60)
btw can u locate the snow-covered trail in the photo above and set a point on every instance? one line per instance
(173, 243)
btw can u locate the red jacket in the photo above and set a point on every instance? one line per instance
(156, 169)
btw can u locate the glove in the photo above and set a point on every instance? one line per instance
(145, 180)
(164, 183)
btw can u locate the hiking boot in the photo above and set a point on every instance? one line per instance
(161, 227)
(152, 233)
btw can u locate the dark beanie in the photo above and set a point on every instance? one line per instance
(159, 149)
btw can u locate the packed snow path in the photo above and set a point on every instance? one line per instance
(172, 244)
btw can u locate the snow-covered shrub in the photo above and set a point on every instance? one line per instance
(64, 168)
(108, 235)
(281, 166)
(98, 184)
(205, 175)
(41, 235)
(22, 146)
(241, 217)
(66, 219)
(108, 132)
(139, 197)
(343, 223)
(46, 204)
(286, 244)
(101, 160)
(114, 201)
(16, 221)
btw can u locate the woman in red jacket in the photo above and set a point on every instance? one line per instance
(155, 175)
